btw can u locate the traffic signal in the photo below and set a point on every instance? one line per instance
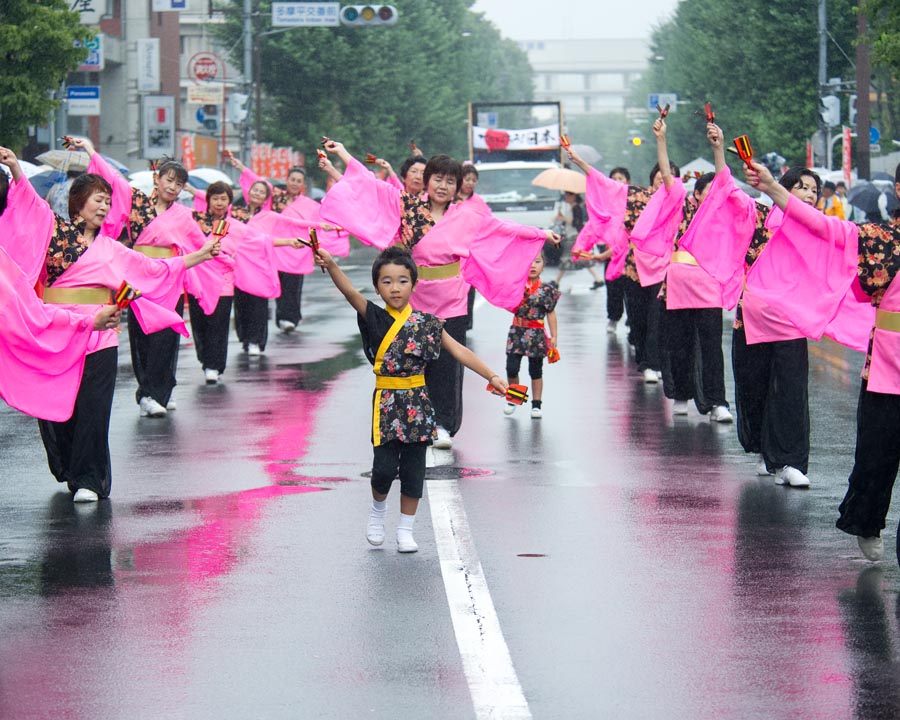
(368, 15)
(851, 115)
(637, 140)
(209, 117)
(830, 110)
(236, 108)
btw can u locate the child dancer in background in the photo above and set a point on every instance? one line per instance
(400, 342)
(527, 336)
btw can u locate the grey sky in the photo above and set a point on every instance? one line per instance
(585, 19)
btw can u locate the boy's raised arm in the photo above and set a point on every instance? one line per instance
(341, 281)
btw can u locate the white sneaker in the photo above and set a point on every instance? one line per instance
(151, 408)
(650, 376)
(680, 407)
(405, 541)
(83, 495)
(612, 326)
(536, 413)
(761, 468)
(720, 414)
(872, 547)
(509, 409)
(375, 528)
(254, 350)
(212, 376)
(171, 405)
(287, 326)
(444, 441)
(791, 476)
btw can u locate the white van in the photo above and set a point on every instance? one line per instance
(506, 188)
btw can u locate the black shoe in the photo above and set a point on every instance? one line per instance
(597, 284)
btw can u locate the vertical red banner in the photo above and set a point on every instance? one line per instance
(256, 159)
(809, 155)
(187, 152)
(847, 156)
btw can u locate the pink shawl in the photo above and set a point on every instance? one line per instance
(274, 225)
(305, 209)
(606, 201)
(654, 232)
(806, 272)
(25, 229)
(42, 348)
(253, 255)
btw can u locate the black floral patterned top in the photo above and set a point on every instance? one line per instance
(415, 219)
(687, 214)
(637, 200)
(243, 213)
(205, 220)
(761, 235)
(879, 265)
(281, 199)
(143, 212)
(405, 415)
(67, 244)
(538, 302)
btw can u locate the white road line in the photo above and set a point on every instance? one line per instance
(492, 679)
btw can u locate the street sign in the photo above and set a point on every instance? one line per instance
(662, 99)
(306, 14)
(203, 66)
(89, 11)
(94, 61)
(211, 93)
(157, 126)
(876, 148)
(874, 135)
(83, 100)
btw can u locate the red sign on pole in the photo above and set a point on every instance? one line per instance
(846, 155)
(203, 66)
(187, 152)
(809, 154)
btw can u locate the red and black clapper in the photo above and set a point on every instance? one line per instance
(515, 394)
(125, 294)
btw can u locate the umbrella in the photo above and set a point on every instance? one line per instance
(76, 160)
(881, 175)
(561, 179)
(588, 153)
(867, 197)
(202, 177)
(43, 181)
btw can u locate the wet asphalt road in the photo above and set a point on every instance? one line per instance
(616, 561)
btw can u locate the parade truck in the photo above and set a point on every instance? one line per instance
(510, 144)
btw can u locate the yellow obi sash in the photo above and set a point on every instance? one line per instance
(683, 257)
(77, 296)
(887, 320)
(438, 272)
(156, 251)
(389, 383)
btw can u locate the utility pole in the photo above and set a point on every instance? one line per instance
(823, 78)
(248, 74)
(863, 109)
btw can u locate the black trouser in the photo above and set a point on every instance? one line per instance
(154, 358)
(444, 378)
(615, 298)
(210, 332)
(771, 395)
(470, 306)
(287, 306)
(408, 459)
(693, 366)
(78, 449)
(868, 497)
(514, 364)
(251, 319)
(644, 310)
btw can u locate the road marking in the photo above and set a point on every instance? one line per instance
(492, 679)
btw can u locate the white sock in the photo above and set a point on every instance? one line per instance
(406, 523)
(379, 507)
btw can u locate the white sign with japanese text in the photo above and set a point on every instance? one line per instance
(83, 100)
(148, 76)
(90, 11)
(539, 138)
(157, 126)
(306, 14)
(94, 61)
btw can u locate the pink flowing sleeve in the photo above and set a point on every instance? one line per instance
(395, 182)
(655, 230)
(26, 227)
(500, 256)
(41, 347)
(366, 207)
(120, 206)
(807, 270)
(297, 261)
(255, 268)
(605, 200)
(246, 180)
(200, 202)
(722, 229)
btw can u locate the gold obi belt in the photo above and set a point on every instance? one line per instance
(156, 251)
(438, 272)
(887, 320)
(683, 257)
(383, 382)
(78, 296)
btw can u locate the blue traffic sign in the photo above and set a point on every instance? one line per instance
(874, 135)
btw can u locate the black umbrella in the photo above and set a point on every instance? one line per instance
(866, 198)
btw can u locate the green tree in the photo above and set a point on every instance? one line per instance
(37, 44)
(375, 89)
(757, 63)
